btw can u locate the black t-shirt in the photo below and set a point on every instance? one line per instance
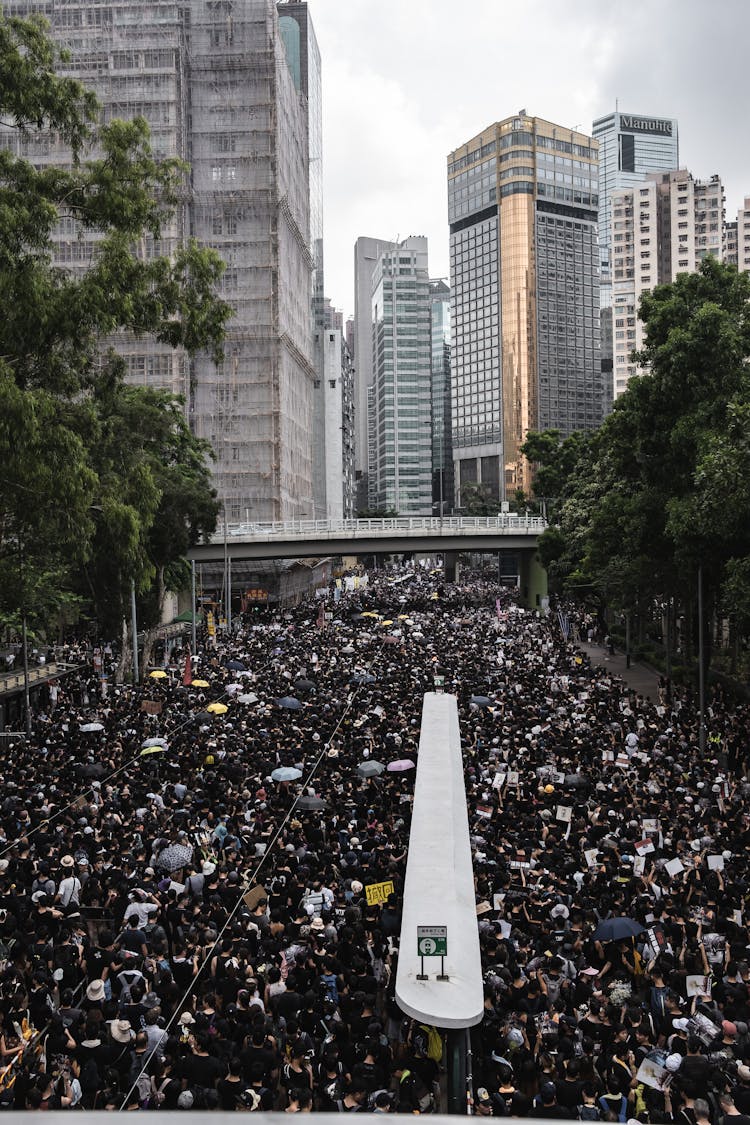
(134, 940)
(229, 1093)
(260, 1055)
(202, 1070)
(569, 1093)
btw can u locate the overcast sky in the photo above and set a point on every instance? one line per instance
(406, 81)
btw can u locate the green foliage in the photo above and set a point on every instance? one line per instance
(553, 460)
(664, 485)
(102, 483)
(377, 514)
(477, 500)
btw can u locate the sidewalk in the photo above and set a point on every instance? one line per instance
(641, 678)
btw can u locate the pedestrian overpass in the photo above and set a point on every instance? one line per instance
(294, 539)
(309, 538)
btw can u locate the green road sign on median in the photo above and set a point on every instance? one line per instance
(432, 941)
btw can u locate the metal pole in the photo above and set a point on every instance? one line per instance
(229, 595)
(26, 694)
(701, 672)
(442, 464)
(134, 626)
(192, 588)
(225, 563)
(627, 639)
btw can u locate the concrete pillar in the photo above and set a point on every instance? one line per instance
(533, 578)
(450, 566)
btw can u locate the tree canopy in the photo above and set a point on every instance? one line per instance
(664, 485)
(102, 483)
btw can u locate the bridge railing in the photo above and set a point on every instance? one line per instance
(450, 526)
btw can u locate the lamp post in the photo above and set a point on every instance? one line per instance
(134, 626)
(701, 672)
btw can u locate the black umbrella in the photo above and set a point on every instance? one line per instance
(615, 929)
(312, 804)
(304, 685)
(362, 678)
(289, 703)
(480, 700)
(576, 781)
(94, 769)
(236, 666)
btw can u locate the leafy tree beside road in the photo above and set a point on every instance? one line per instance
(663, 487)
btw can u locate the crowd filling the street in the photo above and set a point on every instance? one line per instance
(191, 872)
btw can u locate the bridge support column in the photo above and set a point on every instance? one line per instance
(450, 566)
(533, 580)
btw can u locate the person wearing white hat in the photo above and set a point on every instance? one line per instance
(95, 991)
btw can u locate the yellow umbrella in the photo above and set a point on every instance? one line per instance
(158, 674)
(386, 623)
(370, 613)
(434, 597)
(200, 683)
(152, 750)
(217, 708)
(403, 617)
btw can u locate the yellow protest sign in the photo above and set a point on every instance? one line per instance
(378, 892)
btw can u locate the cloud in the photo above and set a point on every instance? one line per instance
(406, 81)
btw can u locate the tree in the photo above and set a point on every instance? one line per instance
(664, 486)
(80, 486)
(553, 460)
(477, 500)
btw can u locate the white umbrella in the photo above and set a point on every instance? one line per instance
(155, 742)
(232, 689)
(286, 773)
(248, 697)
(91, 728)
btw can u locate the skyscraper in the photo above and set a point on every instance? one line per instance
(400, 419)
(630, 146)
(367, 253)
(303, 55)
(213, 80)
(663, 226)
(440, 351)
(522, 206)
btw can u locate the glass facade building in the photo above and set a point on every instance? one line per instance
(440, 350)
(523, 199)
(400, 420)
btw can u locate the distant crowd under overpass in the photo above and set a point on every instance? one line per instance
(507, 532)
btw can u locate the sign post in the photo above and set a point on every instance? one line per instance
(432, 941)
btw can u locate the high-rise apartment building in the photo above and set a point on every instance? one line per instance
(630, 146)
(213, 80)
(523, 199)
(663, 226)
(333, 451)
(400, 420)
(440, 362)
(303, 55)
(743, 237)
(367, 253)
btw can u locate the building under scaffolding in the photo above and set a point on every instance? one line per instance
(213, 80)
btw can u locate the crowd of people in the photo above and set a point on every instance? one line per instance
(184, 870)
